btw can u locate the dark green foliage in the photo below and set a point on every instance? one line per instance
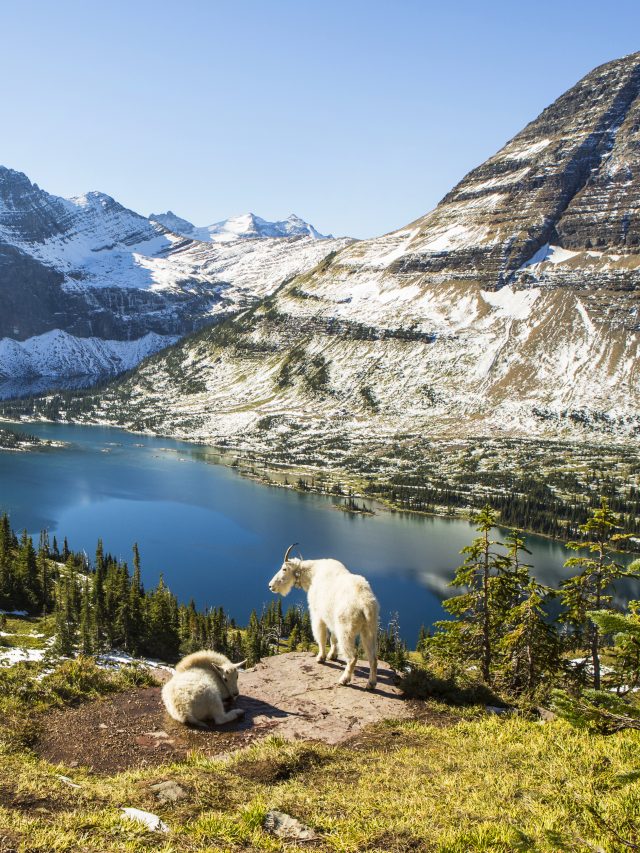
(591, 588)
(470, 639)
(391, 647)
(615, 708)
(501, 627)
(597, 710)
(420, 683)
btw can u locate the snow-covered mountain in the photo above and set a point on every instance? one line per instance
(511, 309)
(248, 226)
(93, 269)
(60, 355)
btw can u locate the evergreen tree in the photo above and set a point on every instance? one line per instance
(86, 637)
(590, 589)
(66, 611)
(134, 614)
(471, 637)
(98, 594)
(44, 572)
(527, 642)
(163, 639)
(254, 646)
(294, 639)
(26, 575)
(7, 580)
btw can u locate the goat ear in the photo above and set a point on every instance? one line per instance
(218, 669)
(241, 664)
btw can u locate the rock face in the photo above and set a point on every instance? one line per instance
(510, 309)
(91, 268)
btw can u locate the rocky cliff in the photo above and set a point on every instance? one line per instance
(510, 309)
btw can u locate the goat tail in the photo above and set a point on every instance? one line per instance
(371, 614)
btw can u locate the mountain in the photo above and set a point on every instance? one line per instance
(93, 269)
(511, 309)
(245, 227)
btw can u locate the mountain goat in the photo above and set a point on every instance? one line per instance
(339, 601)
(203, 681)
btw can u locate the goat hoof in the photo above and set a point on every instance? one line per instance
(320, 659)
(344, 681)
(371, 685)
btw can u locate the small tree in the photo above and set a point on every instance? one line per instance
(614, 709)
(294, 639)
(527, 643)
(470, 638)
(590, 589)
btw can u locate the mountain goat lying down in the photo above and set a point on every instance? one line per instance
(339, 601)
(202, 683)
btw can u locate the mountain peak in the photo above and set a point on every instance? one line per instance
(245, 226)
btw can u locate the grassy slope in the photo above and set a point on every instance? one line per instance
(463, 782)
(488, 783)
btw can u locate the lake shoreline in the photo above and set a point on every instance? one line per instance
(276, 474)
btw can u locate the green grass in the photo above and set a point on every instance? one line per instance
(485, 784)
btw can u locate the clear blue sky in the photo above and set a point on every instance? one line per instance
(356, 114)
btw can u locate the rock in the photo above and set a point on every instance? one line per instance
(68, 782)
(168, 791)
(295, 698)
(496, 709)
(546, 716)
(151, 821)
(287, 827)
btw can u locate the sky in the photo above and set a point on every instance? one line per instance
(357, 115)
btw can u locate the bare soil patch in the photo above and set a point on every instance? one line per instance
(288, 695)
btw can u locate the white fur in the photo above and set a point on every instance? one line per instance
(198, 690)
(340, 602)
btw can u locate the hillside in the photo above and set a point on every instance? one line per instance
(511, 310)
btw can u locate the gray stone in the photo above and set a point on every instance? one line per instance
(168, 791)
(287, 827)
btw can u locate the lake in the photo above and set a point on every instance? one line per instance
(219, 537)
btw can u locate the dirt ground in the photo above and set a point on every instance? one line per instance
(289, 695)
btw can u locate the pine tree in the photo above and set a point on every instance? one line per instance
(44, 572)
(253, 643)
(471, 637)
(294, 639)
(590, 589)
(527, 643)
(98, 594)
(135, 615)
(65, 611)
(163, 639)
(86, 639)
(7, 580)
(26, 575)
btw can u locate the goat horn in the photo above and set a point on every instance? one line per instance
(289, 550)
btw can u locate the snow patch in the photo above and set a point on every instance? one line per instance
(516, 304)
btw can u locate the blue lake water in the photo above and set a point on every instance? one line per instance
(218, 537)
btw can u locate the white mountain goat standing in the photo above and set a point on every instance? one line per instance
(339, 601)
(203, 682)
